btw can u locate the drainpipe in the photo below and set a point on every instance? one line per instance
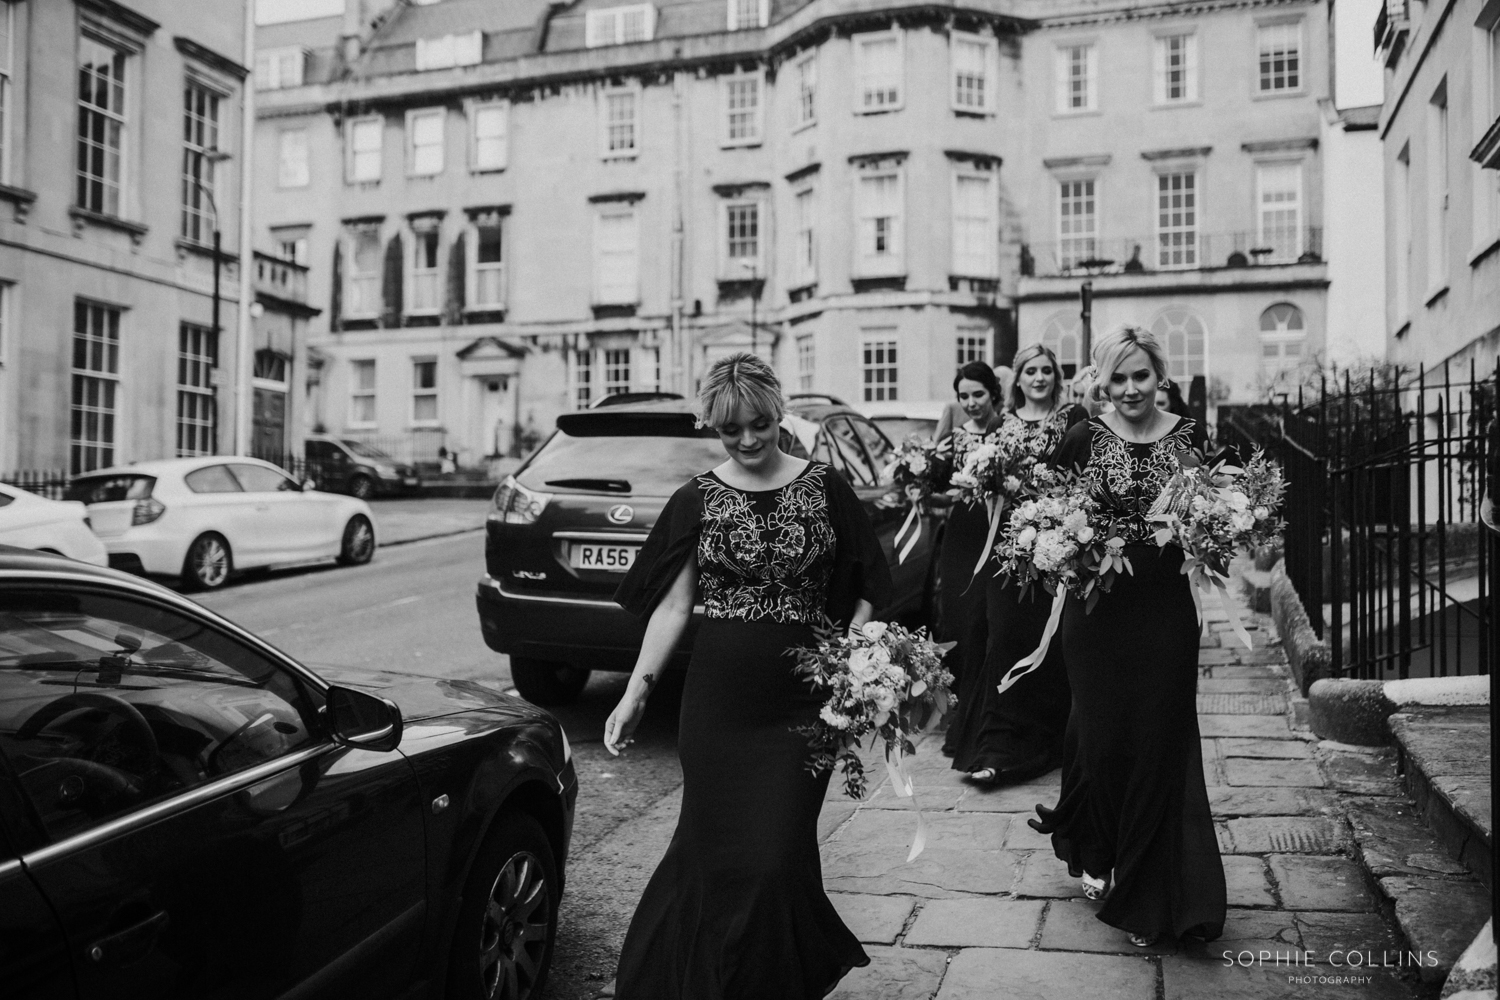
(244, 364)
(679, 354)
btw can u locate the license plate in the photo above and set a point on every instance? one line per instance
(614, 558)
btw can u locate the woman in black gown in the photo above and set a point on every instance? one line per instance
(963, 619)
(1133, 798)
(770, 544)
(1019, 735)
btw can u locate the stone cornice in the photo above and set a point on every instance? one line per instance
(1183, 153)
(121, 14)
(1068, 162)
(1280, 145)
(1080, 18)
(209, 57)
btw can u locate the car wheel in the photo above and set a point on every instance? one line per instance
(208, 563)
(361, 486)
(359, 542)
(507, 917)
(546, 682)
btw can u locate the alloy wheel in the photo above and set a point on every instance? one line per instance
(359, 545)
(210, 561)
(513, 934)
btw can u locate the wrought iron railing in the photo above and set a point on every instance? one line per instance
(1383, 540)
(1085, 256)
(50, 483)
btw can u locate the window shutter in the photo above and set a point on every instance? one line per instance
(456, 275)
(392, 281)
(336, 294)
(1191, 66)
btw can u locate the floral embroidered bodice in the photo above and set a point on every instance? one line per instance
(766, 554)
(1127, 477)
(1036, 438)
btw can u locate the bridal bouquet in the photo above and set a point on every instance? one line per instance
(882, 681)
(1056, 537)
(983, 473)
(910, 471)
(1213, 513)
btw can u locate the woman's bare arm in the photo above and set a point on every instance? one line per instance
(663, 631)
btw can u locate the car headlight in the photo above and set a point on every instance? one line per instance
(515, 504)
(386, 471)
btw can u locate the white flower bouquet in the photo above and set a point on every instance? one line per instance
(910, 472)
(1056, 537)
(1213, 513)
(882, 681)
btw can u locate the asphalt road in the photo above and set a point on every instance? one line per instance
(411, 610)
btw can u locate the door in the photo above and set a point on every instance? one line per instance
(204, 838)
(289, 524)
(269, 425)
(34, 959)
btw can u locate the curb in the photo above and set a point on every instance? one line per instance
(1310, 657)
(1350, 711)
(428, 538)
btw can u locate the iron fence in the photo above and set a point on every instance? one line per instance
(50, 483)
(1383, 539)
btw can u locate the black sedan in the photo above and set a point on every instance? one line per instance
(564, 529)
(187, 812)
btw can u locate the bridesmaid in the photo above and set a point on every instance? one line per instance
(1133, 798)
(1019, 735)
(772, 545)
(963, 592)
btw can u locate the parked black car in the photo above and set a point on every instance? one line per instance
(187, 812)
(567, 525)
(347, 465)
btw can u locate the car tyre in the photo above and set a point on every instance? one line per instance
(507, 917)
(361, 486)
(208, 562)
(358, 546)
(547, 682)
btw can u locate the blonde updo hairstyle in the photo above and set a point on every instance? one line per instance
(738, 380)
(1017, 396)
(1110, 354)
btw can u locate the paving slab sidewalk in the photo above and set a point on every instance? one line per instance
(988, 912)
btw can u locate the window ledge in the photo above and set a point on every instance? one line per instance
(974, 112)
(1274, 95)
(1403, 327)
(888, 109)
(620, 155)
(84, 216)
(186, 246)
(1433, 294)
(1484, 248)
(18, 197)
(1173, 105)
(1080, 113)
(739, 143)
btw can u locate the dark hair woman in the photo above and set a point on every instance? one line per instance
(1018, 735)
(1133, 798)
(771, 545)
(962, 617)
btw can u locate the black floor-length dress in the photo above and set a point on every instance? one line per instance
(736, 909)
(963, 593)
(1019, 734)
(1133, 797)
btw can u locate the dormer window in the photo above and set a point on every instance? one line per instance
(620, 25)
(746, 14)
(449, 51)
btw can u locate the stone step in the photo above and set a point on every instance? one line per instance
(1444, 759)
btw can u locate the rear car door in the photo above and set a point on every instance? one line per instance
(34, 960)
(218, 504)
(201, 835)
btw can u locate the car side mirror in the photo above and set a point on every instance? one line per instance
(357, 719)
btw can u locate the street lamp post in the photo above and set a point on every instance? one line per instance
(214, 157)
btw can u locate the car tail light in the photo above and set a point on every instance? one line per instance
(146, 511)
(515, 504)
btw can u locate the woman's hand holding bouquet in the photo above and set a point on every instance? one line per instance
(1214, 513)
(884, 682)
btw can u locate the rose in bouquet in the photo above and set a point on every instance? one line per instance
(1055, 536)
(980, 477)
(1213, 513)
(883, 682)
(910, 472)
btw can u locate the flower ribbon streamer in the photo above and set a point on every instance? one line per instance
(901, 784)
(995, 505)
(1027, 664)
(913, 523)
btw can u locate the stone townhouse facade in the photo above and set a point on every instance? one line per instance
(1175, 164)
(120, 134)
(1440, 137)
(511, 210)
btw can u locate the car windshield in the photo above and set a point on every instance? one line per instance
(366, 450)
(650, 465)
(103, 489)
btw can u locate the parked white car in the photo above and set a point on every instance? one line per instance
(29, 521)
(203, 518)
